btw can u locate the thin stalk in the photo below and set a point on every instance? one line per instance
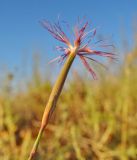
(57, 88)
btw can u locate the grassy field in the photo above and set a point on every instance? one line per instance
(94, 120)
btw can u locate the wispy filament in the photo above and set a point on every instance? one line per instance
(83, 38)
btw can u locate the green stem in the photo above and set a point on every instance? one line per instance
(53, 99)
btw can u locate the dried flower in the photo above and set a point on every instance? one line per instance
(82, 41)
(79, 48)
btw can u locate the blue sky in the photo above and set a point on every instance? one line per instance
(21, 35)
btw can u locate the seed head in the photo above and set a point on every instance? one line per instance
(82, 42)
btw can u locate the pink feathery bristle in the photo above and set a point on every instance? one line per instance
(96, 61)
(88, 51)
(92, 32)
(63, 58)
(79, 33)
(104, 54)
(88, 39)
(88, 67)
(106, 45)
(56, 31)
(59, 58)
(55, 59)
(60, 48)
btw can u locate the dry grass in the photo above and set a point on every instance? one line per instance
(93, 120)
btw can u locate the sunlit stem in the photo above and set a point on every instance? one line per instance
(57, 88)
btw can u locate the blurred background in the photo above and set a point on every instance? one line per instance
(93, 120)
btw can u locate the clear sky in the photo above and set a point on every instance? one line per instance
(21, 35)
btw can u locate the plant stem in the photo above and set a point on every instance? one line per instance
(57, 88)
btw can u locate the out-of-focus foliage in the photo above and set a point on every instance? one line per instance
(94, 120)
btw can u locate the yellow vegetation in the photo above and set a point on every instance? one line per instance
(94, 120)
